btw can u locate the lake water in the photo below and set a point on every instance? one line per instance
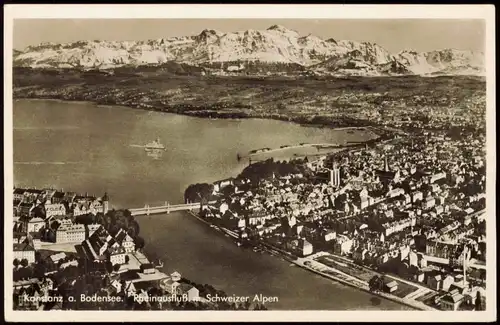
(87, 148)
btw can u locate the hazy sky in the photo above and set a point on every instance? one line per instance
(394, 35)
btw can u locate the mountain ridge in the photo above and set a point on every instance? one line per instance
(276, 44)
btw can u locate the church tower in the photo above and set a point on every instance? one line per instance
(105, 203)
(386, 164)
(335, 175)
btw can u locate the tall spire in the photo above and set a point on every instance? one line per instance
(386, 164)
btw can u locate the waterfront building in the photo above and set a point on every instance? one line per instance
(451, 301)
(147, 268)
(137, 289)
(58, 197)
(412, 259)
(24, 251)
(189, 290)
(176, 276)
(32, 194)
(219, 185)
(343, 245)
(96, 246)
(391, 286)
(306, 248)
(359, 254)
(117, 285)
(81, 209)
(47, 194)
(447, 282)
(170, 285)
(434, 281)
(101, 246)
(461, 286)
(419, 276)
(258, 217)
(89, 204)
(125, 241)
(69, 197)
(471, 296)
(404, 251)
(54, 209)
(19, 194)
(30, 298)
(116, 255)
(329, 235)
(73, 233)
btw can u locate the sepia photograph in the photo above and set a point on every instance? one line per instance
(268, 161)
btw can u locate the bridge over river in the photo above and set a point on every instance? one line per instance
(167, 208)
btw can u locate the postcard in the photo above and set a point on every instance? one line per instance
(249, 163)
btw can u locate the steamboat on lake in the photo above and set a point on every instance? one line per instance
(155, 145)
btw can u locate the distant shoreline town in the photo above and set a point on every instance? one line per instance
(403, 219)
(438, 103)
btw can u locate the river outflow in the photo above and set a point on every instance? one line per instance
(87, 148)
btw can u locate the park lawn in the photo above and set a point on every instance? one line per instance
(363, 274)
(358, 272)
(403, 289)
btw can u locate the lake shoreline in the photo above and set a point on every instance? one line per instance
(276, 252)
(133, 180)
(211, 114)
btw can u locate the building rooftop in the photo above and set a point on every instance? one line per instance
(23, 247)
(453, 298)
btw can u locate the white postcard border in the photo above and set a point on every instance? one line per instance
(486, 12)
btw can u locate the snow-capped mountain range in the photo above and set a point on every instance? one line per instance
(276, 44)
